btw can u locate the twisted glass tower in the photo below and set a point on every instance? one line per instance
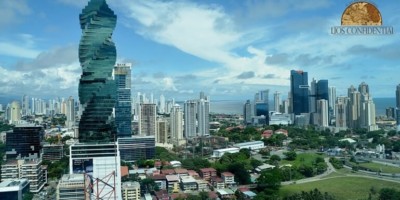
(97, 89)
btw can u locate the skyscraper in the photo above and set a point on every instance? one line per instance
(123, 107)
(97, 89)
(24, 142)
(332, 101)
(70, 113)
(15, 112)
(247, 112)
(190, 109)
(203, 116)
(341, 112)
(25, 105)
(398, 104)
(299, 91)
(322, 111)
(277, 101)
(147, 119)
(176, 124)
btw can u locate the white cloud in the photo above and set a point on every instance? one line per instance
(11, 49)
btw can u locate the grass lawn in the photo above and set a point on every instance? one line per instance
(341, 187)
(377, 166)
(304, 158)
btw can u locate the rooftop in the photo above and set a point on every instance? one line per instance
(208, 170)
(131, 185)
(248, 143)
(12, 183)
(172, 178)
(228, 149)
(227, 174)
(187, 179)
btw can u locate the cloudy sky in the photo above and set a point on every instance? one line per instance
(228, 49)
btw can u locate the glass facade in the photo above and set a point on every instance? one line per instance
(123, 107)
(299, 90)
(262, 109)
(322, 90)
(97, 89)
(24, 142)
(136, 148)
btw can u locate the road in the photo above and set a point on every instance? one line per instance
(331, 169)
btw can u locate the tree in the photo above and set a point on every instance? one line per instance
(290, 155)
(242, 176)
(269, 181)
(275, 158)
(389, 194)
(306, 170)
(27, 196)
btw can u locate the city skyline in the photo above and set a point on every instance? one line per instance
(228, 50)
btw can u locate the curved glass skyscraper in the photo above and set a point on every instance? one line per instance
(97, 89)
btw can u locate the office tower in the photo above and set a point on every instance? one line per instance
(190, 109)
(299, 92)
(24, 141)
(15, 112)
(71, 187)
(322, 111)
(285, 106)
(332, 101)
(162, 104)
(367, 117)
(261, 106)
(363, 88)
(341, 112)
(97, 89)
(203, 116)
(136, 148)
(398, 104)
(277, 101)
(322, 90)
(25, 105)
(162, 131)
(98, 161)
(70, 113)
(247, 112)
(123, 115)
(147, 119)
(176, 124)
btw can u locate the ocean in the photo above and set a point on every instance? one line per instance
(236, 107)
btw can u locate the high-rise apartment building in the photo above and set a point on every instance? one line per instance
(162, 104)
(398, 104)
(131, 191)
(123, 115)
(322, 111)
(190, 121)
(147, 119)
(15, 113)
(162, 131)
(203, 116)
(25, 105)
(176, 124)
(70, 113)
(97, 89)
(277, 101)
(341, 112)
(332, 101)
(247, 112)
(354, 110)
(299, 92)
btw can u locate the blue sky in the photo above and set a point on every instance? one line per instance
(228, 49)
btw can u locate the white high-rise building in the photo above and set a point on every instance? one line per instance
(147, 119)
(70, 112)
(203, 117)
(176, 124)
(277, 101)
(332, 100)
(25, 105)
(162, 104)
(15, 112)
(322, 110)
(190, 109)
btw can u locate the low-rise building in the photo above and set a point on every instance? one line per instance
(217, 182)
(254, 145)
(229, 178)
(181, 172)
(52, 152)
(14, 189)
(202, 185)
(218, 153)
(173, 183)
(160, 180)
(226, 193)
(71, 187)
(131, 191)
(207, 173)
(188, 183)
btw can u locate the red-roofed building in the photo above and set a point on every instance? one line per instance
(157, 164)
(160, 180)
(207, 173)
(193, 174)
(124, 171)
(217, 182)
(267, 134)
(167, 171)
(178, 196)
(181, 172)
(162, 195)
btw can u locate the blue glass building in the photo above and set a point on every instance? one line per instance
(322, 90)
(123, 107)
(262, 109)
(299, 91)
(97, 89)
